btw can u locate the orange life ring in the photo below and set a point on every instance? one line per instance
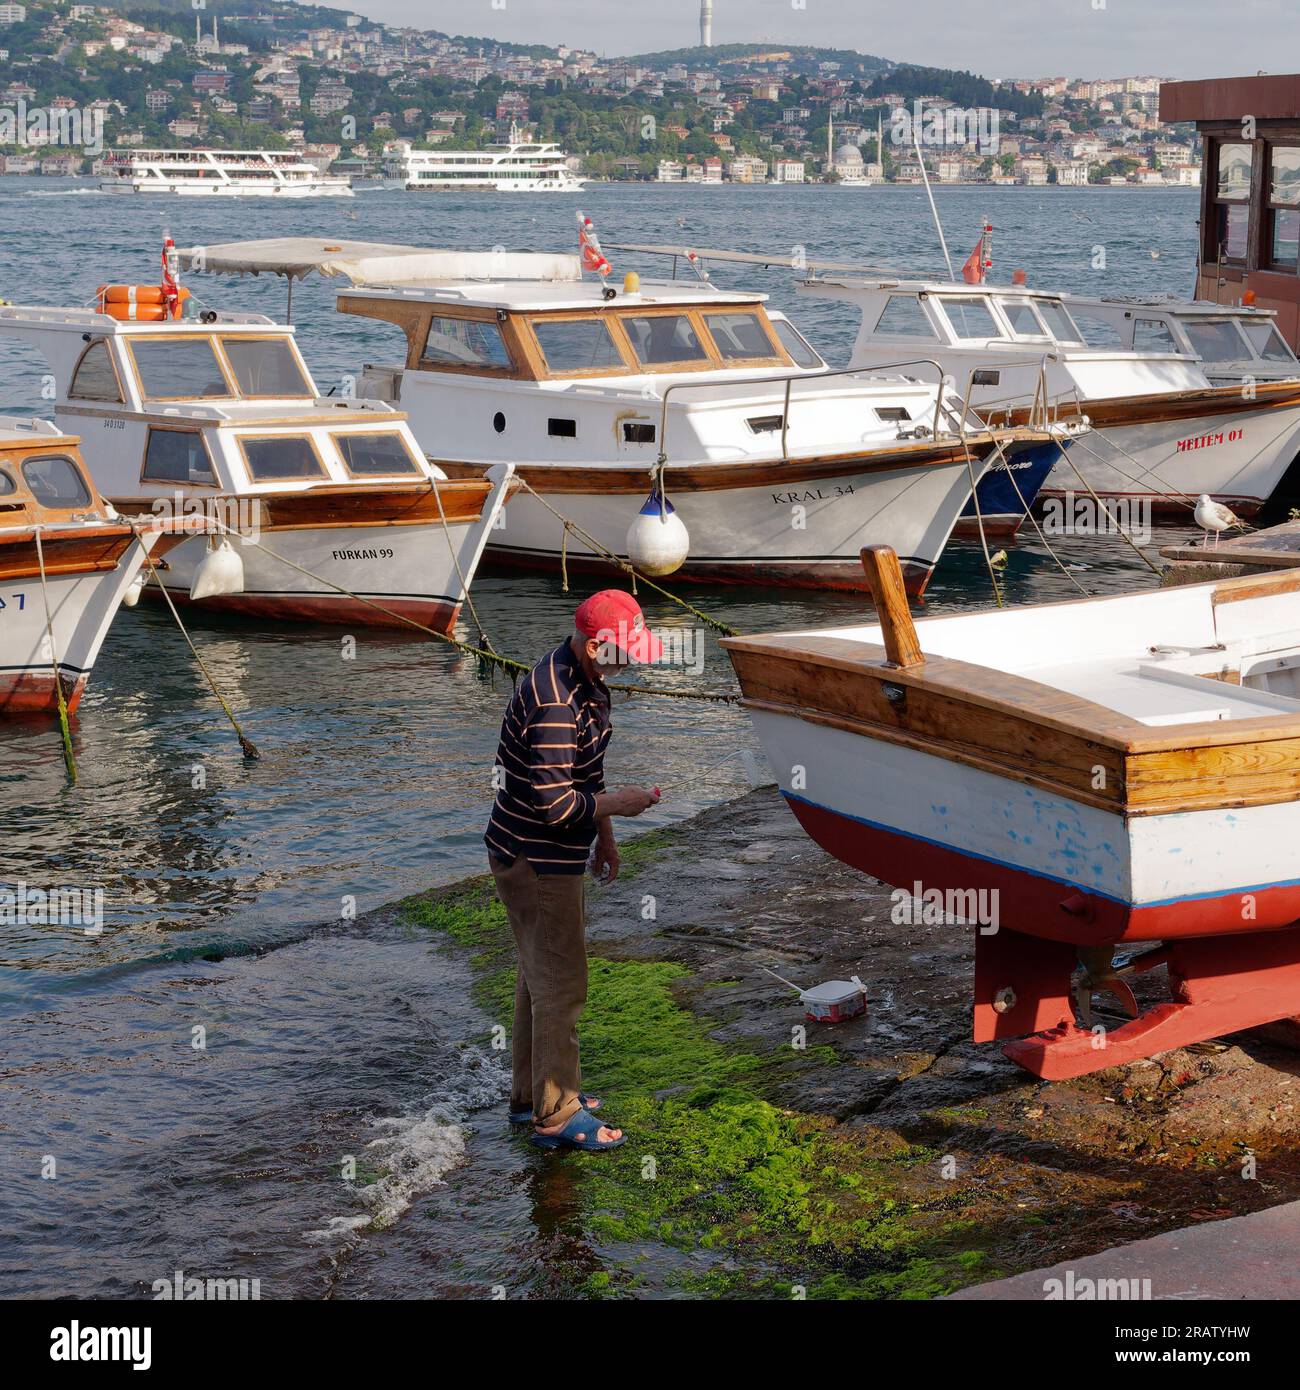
(138, 303)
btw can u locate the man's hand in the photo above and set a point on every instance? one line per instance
(605, 858)
(627, 801)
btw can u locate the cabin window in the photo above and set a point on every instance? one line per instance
(892, 414)
(905, 318)
(177, 456)
(286, 456)
(796, 344)
(634, 432)
(577, 345)
(1267, 341)
(1098, 332)
(1059, 323)
(661, 339)
(382, 455)
(1153, 335)
(95, 379)
(265, 367)
(179, 369)
(466, 343)
(765, 424)
(1215, 341)
(55, 482)
(1020, 315)
(562, 429)
(738, 337)
(7, 485)
(970, 317)
(1231, 191)
(1282, 212)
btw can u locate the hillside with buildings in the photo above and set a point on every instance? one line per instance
(346, 90)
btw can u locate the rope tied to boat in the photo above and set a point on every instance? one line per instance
(245, 743)
(69, 760)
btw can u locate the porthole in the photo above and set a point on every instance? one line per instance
(499, 423)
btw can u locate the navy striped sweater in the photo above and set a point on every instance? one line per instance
(551, 759)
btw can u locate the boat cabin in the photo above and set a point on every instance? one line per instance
(221, 407)
(998, 342)
(1233, 342)
(42, 477)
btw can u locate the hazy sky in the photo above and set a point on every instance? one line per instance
(998, 38)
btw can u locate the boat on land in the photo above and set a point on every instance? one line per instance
(1071, 779)
(68, 561)
(515, 166)
(223, 174)
(662, 394)
(330, 510)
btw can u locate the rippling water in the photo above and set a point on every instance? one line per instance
(373, 780)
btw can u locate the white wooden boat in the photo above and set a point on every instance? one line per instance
(779, 469)
(88, 562)
(336, 513)
(1072, 777)
(1163, 431)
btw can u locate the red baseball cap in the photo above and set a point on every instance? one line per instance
(613, 616)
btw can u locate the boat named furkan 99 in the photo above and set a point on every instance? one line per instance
(333, 512)
(662, 399)
(1104, 772)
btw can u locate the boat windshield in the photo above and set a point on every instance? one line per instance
(1059, 323)
(796, 344)
(56, 482)
(970, 316)
(175, 369)
(1216, 340)
(265, 367)
(1268, 343)
(660, 340)
(1024, 322)
(577, 345)
(382, 454)
(739, 337)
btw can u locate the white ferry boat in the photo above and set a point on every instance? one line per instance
(509, 168)
(224, 174)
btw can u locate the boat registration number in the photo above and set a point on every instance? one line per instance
(816, 494)
(19, 599)
(361, 554)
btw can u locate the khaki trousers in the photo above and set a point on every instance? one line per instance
(546, 913)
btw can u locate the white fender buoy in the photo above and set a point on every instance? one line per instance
(133, 590)
(221, 571)
(657, 540)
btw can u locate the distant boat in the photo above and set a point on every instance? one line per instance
(509, 168)
(224, 174)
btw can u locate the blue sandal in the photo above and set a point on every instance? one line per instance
(525, 1117)
(583, 1123)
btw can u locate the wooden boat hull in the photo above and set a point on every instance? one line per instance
(797, 525)
(88, 572)
(1057, 828)
(388, 549)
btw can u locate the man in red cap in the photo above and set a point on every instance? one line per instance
(551, 805)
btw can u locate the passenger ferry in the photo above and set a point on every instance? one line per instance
(509, 168)
(224, 174)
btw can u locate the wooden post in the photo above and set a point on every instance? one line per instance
(887, 592)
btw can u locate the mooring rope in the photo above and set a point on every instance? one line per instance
(250, 751)
(69, 760)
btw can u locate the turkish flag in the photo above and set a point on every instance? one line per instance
(973, 271)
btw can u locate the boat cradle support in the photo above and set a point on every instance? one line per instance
(1218, 985)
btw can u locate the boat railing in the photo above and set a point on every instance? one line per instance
(787, 380)
(1041, 414)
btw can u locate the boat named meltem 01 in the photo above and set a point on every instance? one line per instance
(335, 515)
(223, 174)
(515, 167)
(68, 561)
(1107, 771)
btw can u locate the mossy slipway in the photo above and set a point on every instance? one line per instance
(888, 1158)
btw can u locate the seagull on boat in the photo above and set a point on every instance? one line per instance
(1214, 516)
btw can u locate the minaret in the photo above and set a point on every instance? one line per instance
(830, 142)
(706, 23)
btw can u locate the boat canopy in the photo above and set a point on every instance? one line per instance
(376, 263)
